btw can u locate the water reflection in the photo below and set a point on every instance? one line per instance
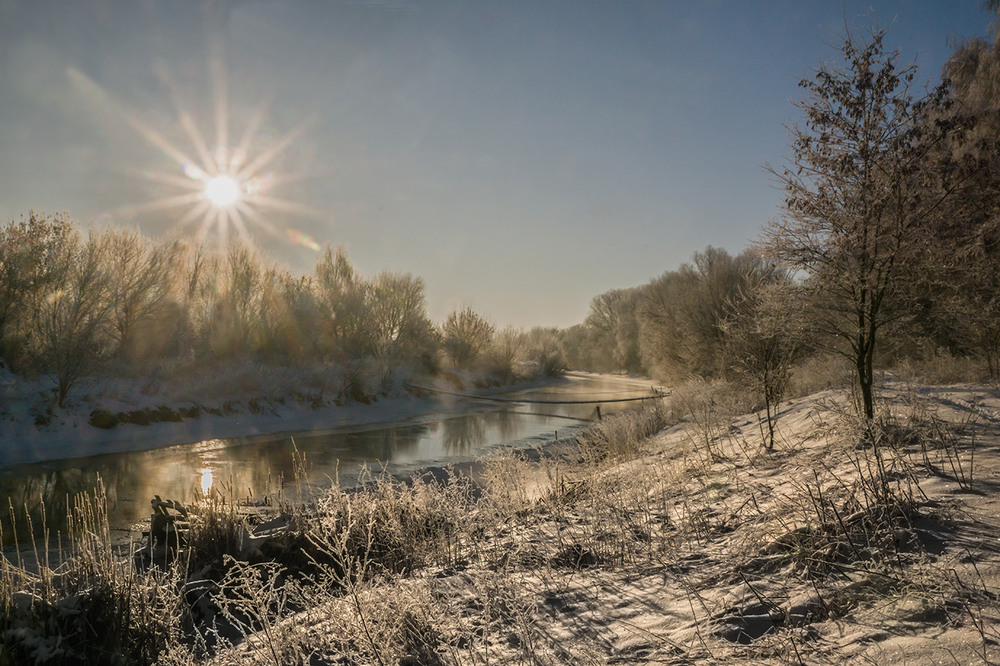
(207, 477)
(463, 433)
(43, 495)
(506, 424)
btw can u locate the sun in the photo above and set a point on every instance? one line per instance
(223, 191)
(218, 186)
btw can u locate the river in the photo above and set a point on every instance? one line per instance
(456, 430)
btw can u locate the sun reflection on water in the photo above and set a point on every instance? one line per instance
(207, 478)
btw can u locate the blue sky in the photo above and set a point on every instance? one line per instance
(520, 157)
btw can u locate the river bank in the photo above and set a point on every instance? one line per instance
(238, 407)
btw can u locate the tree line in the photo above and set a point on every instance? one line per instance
(75, 303)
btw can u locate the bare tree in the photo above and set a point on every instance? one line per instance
(681, 313)
(71, 324)
(28, 275)
(763, 340)
(467, 336)
(140, 284)
(853, 197)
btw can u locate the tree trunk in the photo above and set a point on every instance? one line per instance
(770, 426)
(866, 395)
(863, 354)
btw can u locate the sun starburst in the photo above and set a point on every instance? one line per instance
(219, 190)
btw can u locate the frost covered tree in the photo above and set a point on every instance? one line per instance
(467, 336)
(763, 341)
(614, 326)
(506, 351)
(854, 197)
(29, 275)
(681, 313)
(964, 265)
(139, 287)
(71, 335)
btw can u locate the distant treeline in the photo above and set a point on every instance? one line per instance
(75, 303)
(677, 325)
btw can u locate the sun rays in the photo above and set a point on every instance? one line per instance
(218, 190)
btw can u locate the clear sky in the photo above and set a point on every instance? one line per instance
(520, 157)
